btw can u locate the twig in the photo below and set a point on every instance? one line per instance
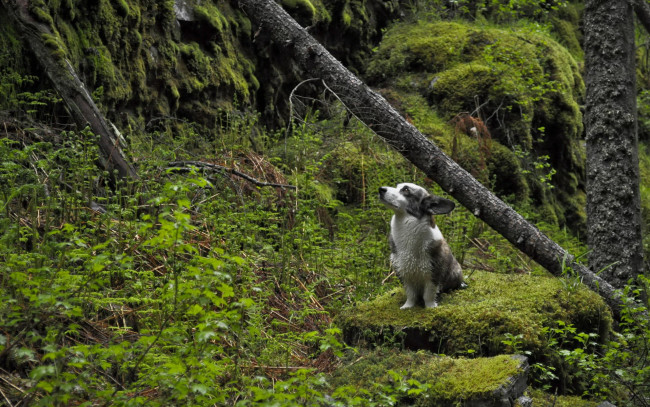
(346, 107)
(387, 277)
(289, 125)
(6, 399)
(182, 165)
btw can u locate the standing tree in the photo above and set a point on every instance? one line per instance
(613, 196)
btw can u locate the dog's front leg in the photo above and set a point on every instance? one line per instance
(411, 296)
(430, 294)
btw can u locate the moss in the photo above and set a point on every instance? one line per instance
(456, 89)
(507, 175)
(135, 55)
(122, 7)
(566, 26)
(210, 14)
(418, 47)
(307, 12)
(346, 15)
(541, 399)
(449, 380)
(479, 317)
(524, 86)
(41, 13)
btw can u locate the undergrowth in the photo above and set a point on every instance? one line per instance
(198, 287)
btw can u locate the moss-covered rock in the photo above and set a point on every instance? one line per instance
(445, 380)
(498, 313)
(522, 85)
(155, 58)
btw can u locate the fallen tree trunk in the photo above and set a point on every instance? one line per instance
(49, 53)
(288, 37)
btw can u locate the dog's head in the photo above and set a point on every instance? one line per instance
(414, 200)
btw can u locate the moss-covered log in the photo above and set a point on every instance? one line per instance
(49, 51)
(313, 59)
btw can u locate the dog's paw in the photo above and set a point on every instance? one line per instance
(407, 305)
(432, 304)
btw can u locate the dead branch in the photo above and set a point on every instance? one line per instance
(186, 165)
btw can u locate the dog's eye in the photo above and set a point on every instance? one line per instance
(405, 190)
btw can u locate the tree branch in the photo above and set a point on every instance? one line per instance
(183, 165)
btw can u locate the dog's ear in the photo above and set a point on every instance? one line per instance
(435, 205)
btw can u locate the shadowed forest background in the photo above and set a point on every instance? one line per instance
(229, 271)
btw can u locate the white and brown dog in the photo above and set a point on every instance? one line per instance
(420, 255)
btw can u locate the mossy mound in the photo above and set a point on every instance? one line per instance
(522, 310)
(515, 75)
(523, 86)
(443, 380)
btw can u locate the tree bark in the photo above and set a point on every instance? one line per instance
(613, 196)
(289, 38)
(66, 82)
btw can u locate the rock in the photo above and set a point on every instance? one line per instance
(524, 401)
(184, 10)
(496, 314)
(480, 382)
(494, 308)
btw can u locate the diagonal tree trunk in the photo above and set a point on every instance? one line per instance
(290, 39)
(66, 82)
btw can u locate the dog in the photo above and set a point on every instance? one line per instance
(419, 254)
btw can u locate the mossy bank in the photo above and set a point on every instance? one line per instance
(496, 314)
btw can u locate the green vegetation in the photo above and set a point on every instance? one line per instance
(478, 318)
(194, 286)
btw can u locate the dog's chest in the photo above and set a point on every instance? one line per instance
(413, 240)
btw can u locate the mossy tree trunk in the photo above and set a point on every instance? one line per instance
(277, 32)
(613, 196)
(49, 52)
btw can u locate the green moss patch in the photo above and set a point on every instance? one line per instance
(440, 380)
(525, 87)
(478, 319)
(541, 399)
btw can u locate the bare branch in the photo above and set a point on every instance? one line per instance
(185, 166)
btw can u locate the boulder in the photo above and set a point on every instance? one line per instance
(535, 315)
(434, 380)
